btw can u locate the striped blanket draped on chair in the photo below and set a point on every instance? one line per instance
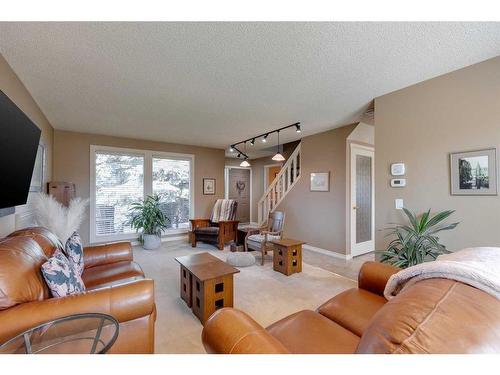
(224, 209)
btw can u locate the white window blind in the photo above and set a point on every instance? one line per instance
(121, 176)
(171, 179)
(119, 181)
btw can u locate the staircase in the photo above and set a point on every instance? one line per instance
(279, 188)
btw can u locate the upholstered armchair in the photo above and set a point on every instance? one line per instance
(221, 228)
(273, 230)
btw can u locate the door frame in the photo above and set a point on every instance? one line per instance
(350, 217)
(266, 173)
(227, 168)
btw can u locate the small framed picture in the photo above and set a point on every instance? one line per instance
(209, 186)
(320, 181)
(474, 172)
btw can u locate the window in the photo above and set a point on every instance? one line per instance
(122, 176)
(119, 181)
(171, 179)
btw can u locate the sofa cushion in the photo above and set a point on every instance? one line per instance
(258, 238)
(62, 278)
(353, 309)
(20, 277)
(207, 230)
(47, 240)
(224, 209)
(308, 332)
(437, 316)
(111, 274)
(74, 251)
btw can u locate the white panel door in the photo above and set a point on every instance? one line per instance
(362, 200)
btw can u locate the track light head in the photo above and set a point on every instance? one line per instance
(239, 155)
(264, 139)
(252, 142)
(231, 149)
(298, 130)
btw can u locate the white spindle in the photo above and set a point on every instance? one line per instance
(280, 186)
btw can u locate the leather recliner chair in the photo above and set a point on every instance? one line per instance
(115, 285)
(430, 316)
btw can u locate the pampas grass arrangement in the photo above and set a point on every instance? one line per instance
(60, 220)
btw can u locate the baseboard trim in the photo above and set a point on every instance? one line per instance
(177, 237)
(333, 254)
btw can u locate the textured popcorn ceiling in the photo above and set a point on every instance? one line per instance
(212, 84)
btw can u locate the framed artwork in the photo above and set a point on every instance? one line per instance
(320, 181)
(474, 172)
(37, 177)
(209, 186)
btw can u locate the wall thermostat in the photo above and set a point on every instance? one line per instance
(398, 169)
(398, 182)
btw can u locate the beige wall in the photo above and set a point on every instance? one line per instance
(319, 218)
(420, 126)
(72, 164)
(11, 85)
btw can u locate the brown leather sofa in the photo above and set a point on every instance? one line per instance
(115, 285)
(431, 316)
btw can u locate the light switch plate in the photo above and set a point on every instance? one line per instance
(398, 182)
(399, 204)
(398, 169)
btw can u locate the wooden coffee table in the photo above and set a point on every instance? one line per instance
(287, 257)
(206, 284)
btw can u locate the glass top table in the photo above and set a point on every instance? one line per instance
(90, 333)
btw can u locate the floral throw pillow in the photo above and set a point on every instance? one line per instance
(61, 276)
(74, 251)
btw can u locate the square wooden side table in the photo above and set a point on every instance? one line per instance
(206, 284)
(287, 257)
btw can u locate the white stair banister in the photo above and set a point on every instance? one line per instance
(281, 185)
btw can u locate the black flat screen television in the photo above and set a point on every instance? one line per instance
(19, 138)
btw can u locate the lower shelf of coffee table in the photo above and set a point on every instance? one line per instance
(211, 295)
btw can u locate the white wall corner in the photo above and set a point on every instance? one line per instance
(363, 133)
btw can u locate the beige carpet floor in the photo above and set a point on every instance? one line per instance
(264, 294)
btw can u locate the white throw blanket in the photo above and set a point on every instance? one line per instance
(475, 266)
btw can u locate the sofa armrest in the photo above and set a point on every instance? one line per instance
(373, 276)
(106, 254)
(124, 302)
(231, 331)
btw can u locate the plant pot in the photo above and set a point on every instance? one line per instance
(151, 241)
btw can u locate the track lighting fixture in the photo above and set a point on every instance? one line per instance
(278, 156)
(245, 162)
(235, 147)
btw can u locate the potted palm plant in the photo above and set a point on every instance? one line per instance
(148, 218)
(416, 241)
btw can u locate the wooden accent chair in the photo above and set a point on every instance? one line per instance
(273, 230)
(220, 228)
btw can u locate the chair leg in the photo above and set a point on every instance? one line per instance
(193, 240)
(221, 244)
